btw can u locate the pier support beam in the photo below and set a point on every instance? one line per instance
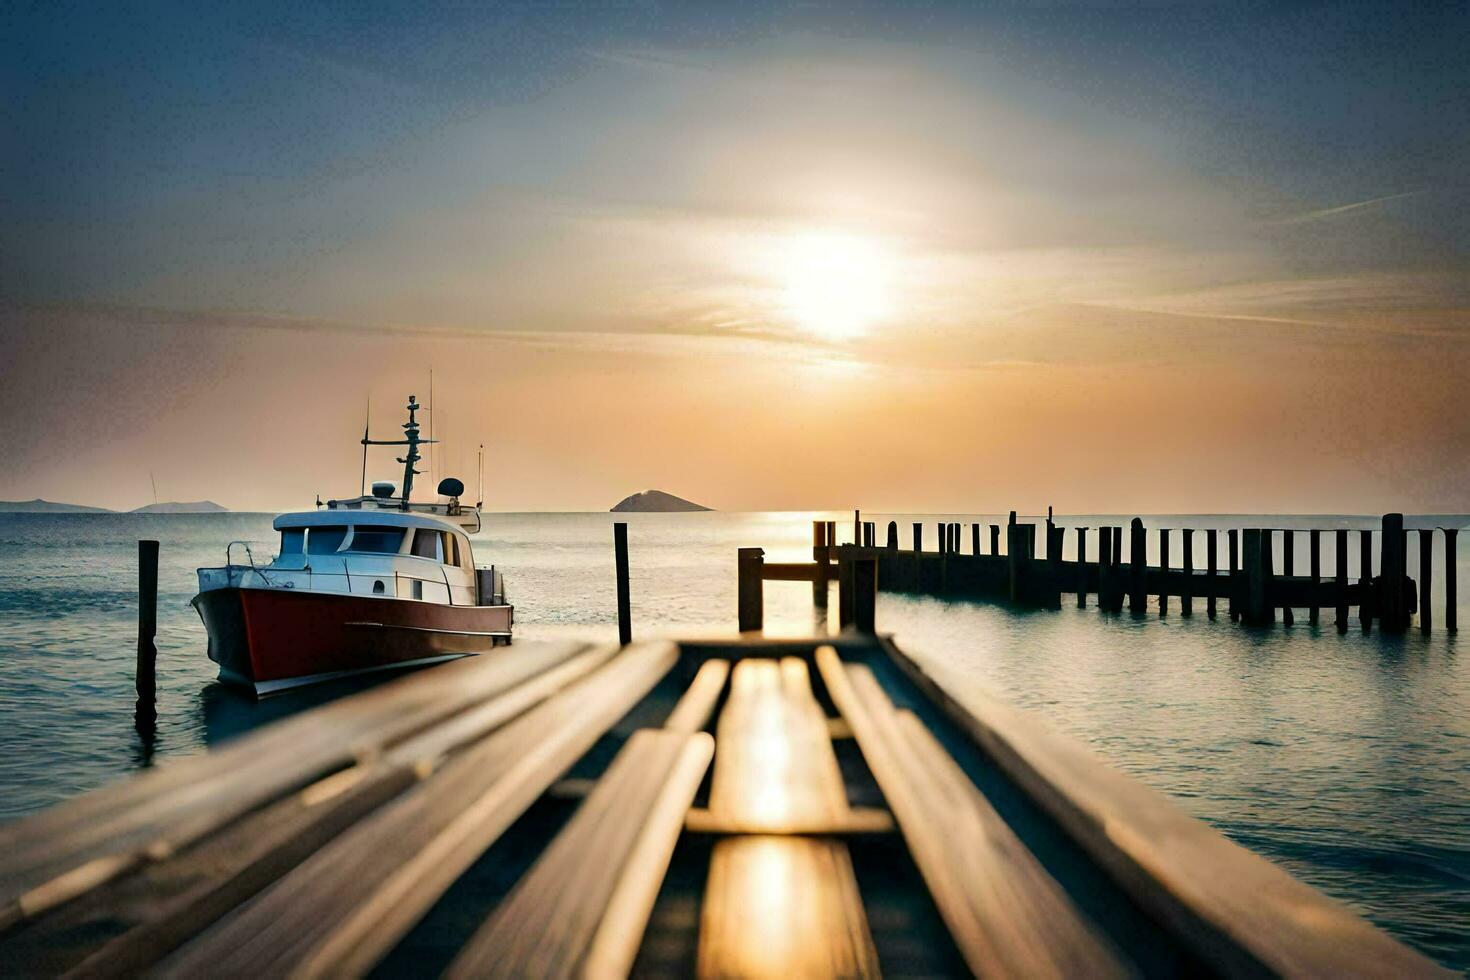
(145, 712)
(893, 535)
(1082, 568)
(1426, 573)
(1341, 547)
(995, 539)
(1288, 568)
(1393, 569)
(751, 600)
(1365, 576)
(975, 538)
(620, 558)
(1451, 552)
(1212, 547)
(1186, 601)
(1138, 558)
(1314, 564)
(1164, 569)
(918, 536)
(863, 581)
(821, 554)
(1253, 560)
(1235, 584)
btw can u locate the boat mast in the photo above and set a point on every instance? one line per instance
(412, 441)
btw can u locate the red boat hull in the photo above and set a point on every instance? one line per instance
(272, 639)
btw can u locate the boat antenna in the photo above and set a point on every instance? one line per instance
(480, 503)
(154, 481)
(367, 416)
(413, 442)
(433, 457)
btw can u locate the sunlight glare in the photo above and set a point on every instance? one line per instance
(837, 284)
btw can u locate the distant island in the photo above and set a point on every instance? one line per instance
(175, 507)
(655, 502)
(39, 506)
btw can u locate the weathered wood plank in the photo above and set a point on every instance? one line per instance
(157, 910)
(693, 711)
(55, 856)
(781, 907)
(774, 767)
(342, 909)
(583, 907)
(858, 821)
(1008, 917)
(1234, 909)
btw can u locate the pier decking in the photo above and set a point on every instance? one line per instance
(753, 807)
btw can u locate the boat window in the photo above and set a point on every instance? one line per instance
(451, 549)
(293, 540)
(376, 540)
(426, 543)
(325, 540)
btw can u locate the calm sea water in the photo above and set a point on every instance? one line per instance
(1345, 758)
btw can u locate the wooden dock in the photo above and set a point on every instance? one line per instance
(752, 808)
(1240, 578)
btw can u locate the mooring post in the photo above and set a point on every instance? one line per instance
(1104, 561)
(1450, 554)
(145, 712)
(1394, 571)
(995, 539)
(975, 538)
(870, 533)
(955, 530)
(943, 538)
(864, 579)
(1268, 572)
(1211, 563)
(821, 555)
(1314, 562)
(857, 527)
(1255, 579)
(893, 535)
(845, 598)
(1341, 547)
(1367, 592)
(1186, 599)
(918, 536)
(1288, 568)
(1082, 568)
(751, 601)
(1235, 584)
(1013, 559)
(1138, 557)
(831, 534)
(620, 559)
(1426, 571)
(1163, 570)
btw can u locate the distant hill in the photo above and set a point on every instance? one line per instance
(175, 507)
(39, 506)
(655, 502)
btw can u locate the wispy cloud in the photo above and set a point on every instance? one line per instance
(1341, 209)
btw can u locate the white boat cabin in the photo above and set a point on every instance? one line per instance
(382, 552)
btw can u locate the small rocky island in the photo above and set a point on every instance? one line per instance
(655, 502)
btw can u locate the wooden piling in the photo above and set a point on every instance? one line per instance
(918, 536)
(1164, 568)
(145, 712)
(1451, 534)
(1211, 560)
(942, 531)
(1288, 568)
(1365, 576)
(1426, 572)
(831, 534)
(1118, 552)
(1254, 564)
(1342, 578)
(1138, 547)
(893, 535)
(1186, 601)
(751, 601)
(1314, 565)
(1013, 558)
(1233, 536)
(995, 539)
(1082, 568)
(1104, 563)
(857, 527)
(955, 531)
(975, 539)
(821, 556)
(864, 594)
(620, 557)
(1393, 570)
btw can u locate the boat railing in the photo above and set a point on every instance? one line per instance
(234, 575)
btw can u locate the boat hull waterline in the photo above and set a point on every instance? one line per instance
(269, 640)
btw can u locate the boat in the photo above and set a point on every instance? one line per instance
(375, 582)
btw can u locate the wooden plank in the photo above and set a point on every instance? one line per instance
(177, 898)
(583, 907)
(55, 856)
(1007, 916)
(342, 909)
(693, 711)
(1236, 910)
(857, 822)
(774, 768)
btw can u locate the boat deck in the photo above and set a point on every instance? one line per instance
(727, 808)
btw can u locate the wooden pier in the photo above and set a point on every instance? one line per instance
(1250, 587)
(754, 808)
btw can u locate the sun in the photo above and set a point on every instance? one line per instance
(837, 285)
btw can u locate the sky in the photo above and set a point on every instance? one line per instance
(1111, 257)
